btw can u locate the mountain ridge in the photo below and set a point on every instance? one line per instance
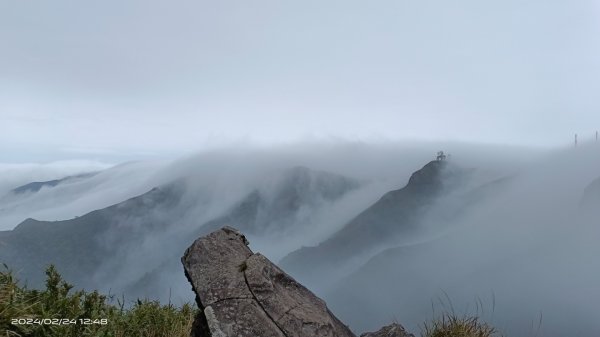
(82, 245)
(393, 215)
(35, 186)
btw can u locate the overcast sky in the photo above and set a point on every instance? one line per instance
(129, 79)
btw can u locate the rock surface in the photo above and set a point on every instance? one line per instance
(392, 330)
(243, 294)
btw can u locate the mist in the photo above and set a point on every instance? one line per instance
(16, 174)
(289, 120)
(524, 258)
(111, 184)
(212, 182)
(272, 72)
(522, 249)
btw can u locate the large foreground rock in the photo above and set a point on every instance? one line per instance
(244, 294)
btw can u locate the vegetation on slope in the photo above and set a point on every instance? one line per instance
(59, 311)
(455, 326)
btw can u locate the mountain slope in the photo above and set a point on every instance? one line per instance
(387, 222)
(77, 246)
(290, 201)
(487, 252)
(38, 185)
(281, 207)
(98, 249)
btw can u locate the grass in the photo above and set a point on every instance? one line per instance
(58, 301)
(453, 326)
(450, 324)
(144, 318)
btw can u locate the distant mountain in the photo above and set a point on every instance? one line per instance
(95, 248)
(78, 246)
(388, 222)
(283, 204)
(460, 262)
(290, 201)
(38, 185)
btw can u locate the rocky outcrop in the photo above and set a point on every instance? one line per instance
(243, 294)
(392, 330)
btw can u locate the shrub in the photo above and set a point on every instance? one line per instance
(58, 301)
(452, 326)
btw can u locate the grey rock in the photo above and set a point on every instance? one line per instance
(213, 265)
(392, 330)
(244, 294)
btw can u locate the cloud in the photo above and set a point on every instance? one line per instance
(526, 243)
(71, 198)
(279, 72)
(524, 250)
(16, 174)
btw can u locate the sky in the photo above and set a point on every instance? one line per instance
(113, 81)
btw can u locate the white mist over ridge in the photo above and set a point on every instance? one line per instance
(226, 172)
(215, 181)
(71, 198)
(506, 242)
(16, 174)
(527, 250)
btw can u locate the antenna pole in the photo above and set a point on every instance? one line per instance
(575, 140)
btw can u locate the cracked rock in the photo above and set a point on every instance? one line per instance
(244, 294)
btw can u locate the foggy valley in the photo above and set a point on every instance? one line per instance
(308, 168)
(379, 231)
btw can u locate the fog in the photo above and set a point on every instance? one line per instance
(224, 103)
(227, 172)
(215, 181)
(270, 71)
(16, 174)
(524, 252)
(523, 248)
(70, 198)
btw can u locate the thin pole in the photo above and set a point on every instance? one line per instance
(575, 139)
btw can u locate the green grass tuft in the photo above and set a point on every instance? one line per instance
(144, 319)
(453, 326)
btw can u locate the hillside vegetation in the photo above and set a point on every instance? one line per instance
(57, 311)
(60, 311)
